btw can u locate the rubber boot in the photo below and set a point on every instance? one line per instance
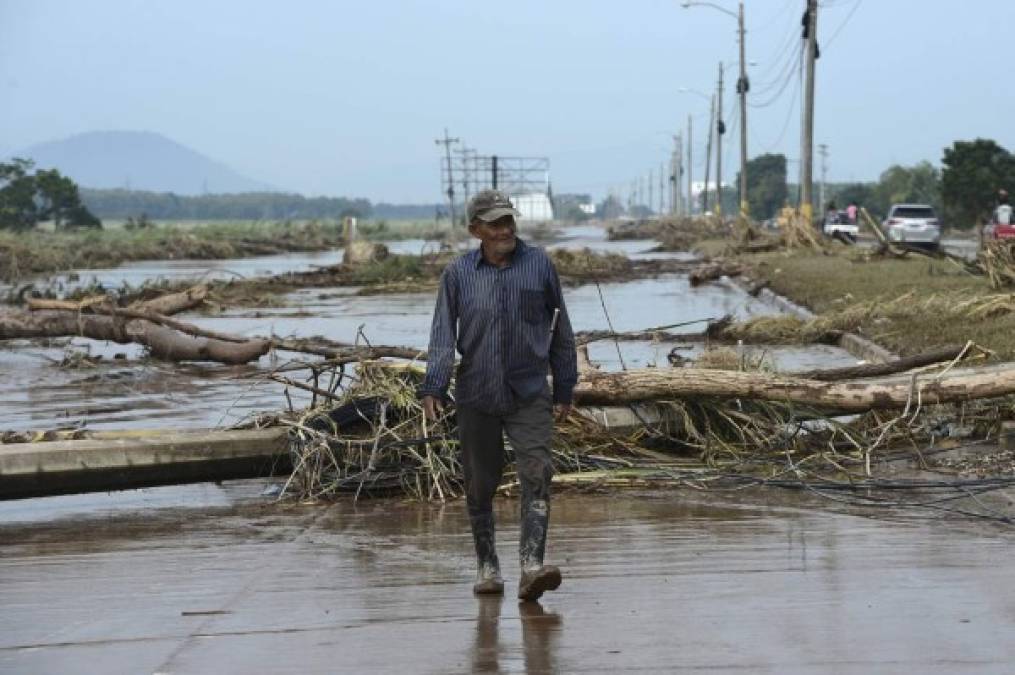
(537, 578)
(488, 578)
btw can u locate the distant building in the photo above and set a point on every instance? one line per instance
(533, 206)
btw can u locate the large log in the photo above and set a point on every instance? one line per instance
(169, 303)
(849, 396)
(161, 341)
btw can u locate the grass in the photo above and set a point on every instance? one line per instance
(44, 251)
(40, 251)
(941, 304)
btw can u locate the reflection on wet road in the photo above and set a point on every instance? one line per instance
(214, 580)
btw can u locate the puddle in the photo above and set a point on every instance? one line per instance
(760, 582)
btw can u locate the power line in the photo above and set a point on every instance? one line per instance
(842, 25)
(789, 115)
(785, 83)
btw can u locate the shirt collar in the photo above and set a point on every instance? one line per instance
(477, 253)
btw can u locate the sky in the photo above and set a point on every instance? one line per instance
(346, 98)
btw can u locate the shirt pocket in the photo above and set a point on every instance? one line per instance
(533, 306)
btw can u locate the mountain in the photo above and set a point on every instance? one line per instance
(138, 160)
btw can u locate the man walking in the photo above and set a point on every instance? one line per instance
(501, 305)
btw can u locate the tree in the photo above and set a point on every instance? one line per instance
(766, 184)
(26, 199)
(919, 184)
(973, 173)
(610, 208)
(861, 194)
(18, 210)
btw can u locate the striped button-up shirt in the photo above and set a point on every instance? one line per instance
(499, 319)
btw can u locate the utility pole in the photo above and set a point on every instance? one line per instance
(446, 142)
(466, 154)
(708, 154)
(690, 169)
(823, 151)
(662, 192)
(678, 172)
(720, 129)
(807, 151)
(651, 184)
(742, 86)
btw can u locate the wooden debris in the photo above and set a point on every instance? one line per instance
(844, 396)
(713, 271)
(942, 355)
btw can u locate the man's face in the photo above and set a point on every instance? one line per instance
(498, 237)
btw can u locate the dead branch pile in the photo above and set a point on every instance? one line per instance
(998, 262)
(732, 428)
(149, 323)
(797, 231)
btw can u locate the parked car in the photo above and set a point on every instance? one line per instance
(839, 225)
(915, 224)
(998, 231)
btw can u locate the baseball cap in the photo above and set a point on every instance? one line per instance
(489, 205)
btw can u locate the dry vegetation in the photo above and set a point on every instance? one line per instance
(906, 305)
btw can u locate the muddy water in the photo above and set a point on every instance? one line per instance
(210, 579)
(133, 392)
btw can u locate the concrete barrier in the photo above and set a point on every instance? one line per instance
(139, 460)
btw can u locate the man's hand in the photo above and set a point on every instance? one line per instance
(433, 407)
(561, 411)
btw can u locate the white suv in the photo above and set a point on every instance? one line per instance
(913, 224)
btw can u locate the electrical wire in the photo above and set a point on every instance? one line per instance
(842, 25)
(790, 76)
(789, 116)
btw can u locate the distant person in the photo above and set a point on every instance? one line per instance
(851, 212)
(831, 213)
(1003, 214)
(502, 306)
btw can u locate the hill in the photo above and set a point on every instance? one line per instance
(138, 160)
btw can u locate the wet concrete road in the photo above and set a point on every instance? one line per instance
(654, 582)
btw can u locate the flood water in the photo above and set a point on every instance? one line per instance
(212, 579)
(135, 392)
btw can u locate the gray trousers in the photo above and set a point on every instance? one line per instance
(481, 438)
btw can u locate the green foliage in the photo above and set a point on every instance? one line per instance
(246, 206)
(766, 185)
(919, 184)
(861, 194)
(27, 199)
(394, 268)
(18, 210)
(140, 223)
(973, 173)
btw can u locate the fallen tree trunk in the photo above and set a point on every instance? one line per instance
(897, 366)
(144, 323)
(162, 342)
(847, 396)
(169, 303)
(168, 338)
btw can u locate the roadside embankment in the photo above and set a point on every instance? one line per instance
(906, 305)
